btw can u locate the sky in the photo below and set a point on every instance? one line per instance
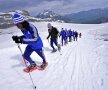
(58, 6)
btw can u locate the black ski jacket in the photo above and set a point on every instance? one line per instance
(53, 33)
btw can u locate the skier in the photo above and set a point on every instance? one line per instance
(63, 34)
(66, 37)
(31, 38)
(80, 35)
(75, 35)
(53, 33)
(70, 35)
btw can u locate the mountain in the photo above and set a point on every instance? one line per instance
(47, 14)
(93, 16)
(90, 16)
(6, 18)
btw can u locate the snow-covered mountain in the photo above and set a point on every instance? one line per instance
(83, 65)
(93, 16)
(6, 18)
(49, 14)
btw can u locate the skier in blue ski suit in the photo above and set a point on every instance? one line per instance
(30, 37)
(66, 36)
(63, 36)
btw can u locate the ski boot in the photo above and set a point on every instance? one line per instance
(30, 68)
(59, 47)
(43, 66)
(54, 50)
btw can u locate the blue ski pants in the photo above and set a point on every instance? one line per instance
(63, 40)
(29, 51)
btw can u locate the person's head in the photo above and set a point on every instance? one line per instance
(49, 26)
(62, 29)
(20, 21)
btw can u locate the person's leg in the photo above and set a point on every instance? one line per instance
(62, 41)
(55, 42)
(27, 54)
(66, 40)
(51, 43)
(58, 45)
(76, 38)
(41, 54)
(70, 39)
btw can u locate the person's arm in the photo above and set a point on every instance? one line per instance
(49, 34)
(33, 39)
(57, 32)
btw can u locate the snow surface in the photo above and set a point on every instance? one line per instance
(83, 65)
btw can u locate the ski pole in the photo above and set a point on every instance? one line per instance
(21, 53)
(26, 65)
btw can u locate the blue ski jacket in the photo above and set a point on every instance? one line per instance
(70, 33)
(63, 34)
(32, 38)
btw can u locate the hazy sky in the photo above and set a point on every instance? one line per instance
(58, 6)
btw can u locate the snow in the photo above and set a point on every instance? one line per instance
(83, 65)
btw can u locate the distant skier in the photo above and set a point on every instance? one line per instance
(70, 35)
(66, 36)
(53, 34)
(80, 35)
(31, 38)
(63, 36)
(75, 35)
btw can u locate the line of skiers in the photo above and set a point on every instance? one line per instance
(34, 42)
(68, 35)
(53, 35)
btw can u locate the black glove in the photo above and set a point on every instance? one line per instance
(47, 38)
(17, 39)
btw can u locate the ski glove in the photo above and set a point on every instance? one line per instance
(17, 39)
